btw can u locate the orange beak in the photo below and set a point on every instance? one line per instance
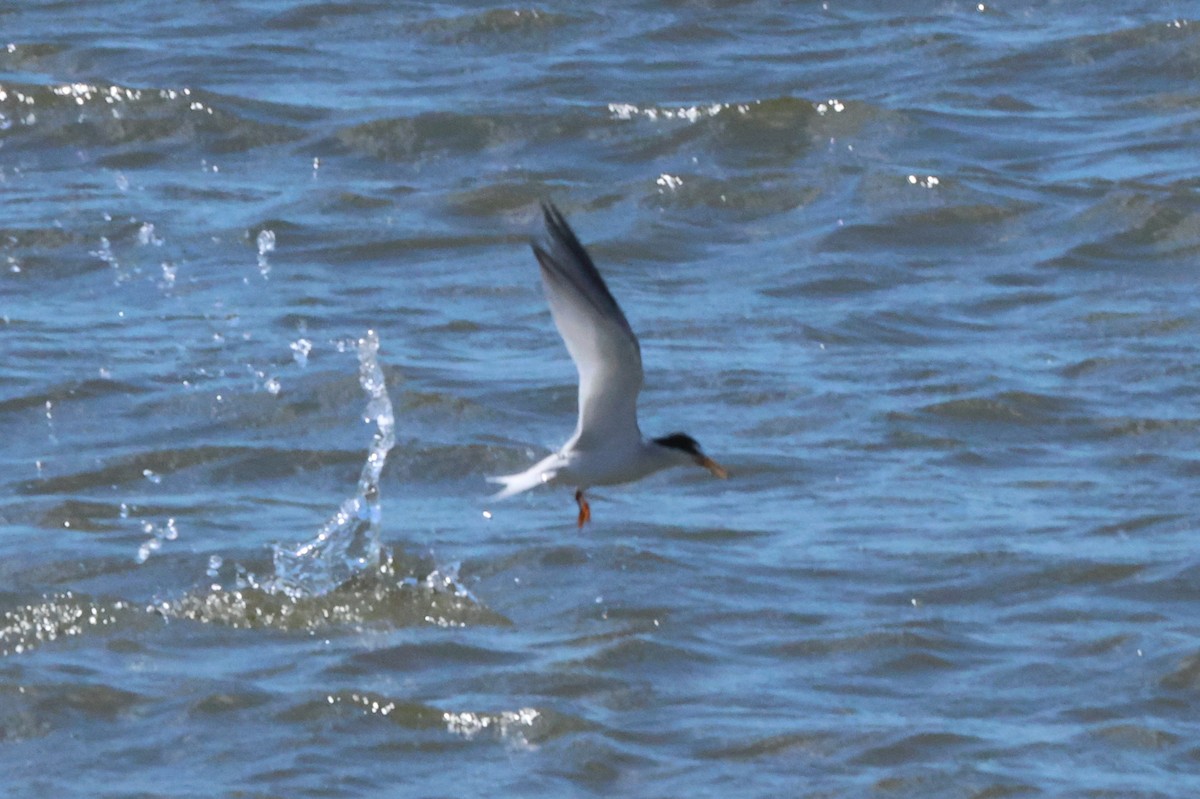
(708, 463)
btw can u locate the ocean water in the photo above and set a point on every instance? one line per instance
(922, 276)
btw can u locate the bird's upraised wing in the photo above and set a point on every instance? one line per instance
(596, 333)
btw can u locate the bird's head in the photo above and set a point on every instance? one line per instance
(689, 450)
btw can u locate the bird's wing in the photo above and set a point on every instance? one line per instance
(596, 333)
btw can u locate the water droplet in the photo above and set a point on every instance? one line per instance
(349, 543)
(146, 235)
(301, 347)
(266, 244)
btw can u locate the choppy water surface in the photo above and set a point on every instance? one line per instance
(924, 279)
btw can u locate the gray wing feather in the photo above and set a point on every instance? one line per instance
(596, 332)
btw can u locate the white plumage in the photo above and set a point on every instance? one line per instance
(608, 446)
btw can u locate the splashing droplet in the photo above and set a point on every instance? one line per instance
(301, 347)
(146, 235)
(159, 534)
(266, 244)
(349, 543)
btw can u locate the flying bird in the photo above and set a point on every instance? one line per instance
(608, 446)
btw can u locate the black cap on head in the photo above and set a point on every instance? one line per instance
(680, 441)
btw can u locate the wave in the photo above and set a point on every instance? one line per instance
(492, 28)
(111, 115)
(747, 134)
(1010, 407)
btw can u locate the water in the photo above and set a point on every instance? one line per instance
(924, 279)
(348, 545)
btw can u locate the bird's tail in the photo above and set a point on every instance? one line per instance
(541, 472)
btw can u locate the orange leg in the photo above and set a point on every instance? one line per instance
(585, 510)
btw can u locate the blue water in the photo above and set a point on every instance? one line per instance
(924, 279)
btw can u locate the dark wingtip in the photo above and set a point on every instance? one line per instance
(561, 253)
(551, 214)
(556, 223)
(543, 258)
(561, 231)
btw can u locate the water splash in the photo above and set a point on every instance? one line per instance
(147, 236)
(105, 253)
(50, 422)
(158, 535)
(507, 724)
(266, 244)
(343, 576)
(169, 273)
(301, 347)
(349, 543)
(270, 383)
(445, 579)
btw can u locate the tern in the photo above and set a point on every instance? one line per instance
(608, 447)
